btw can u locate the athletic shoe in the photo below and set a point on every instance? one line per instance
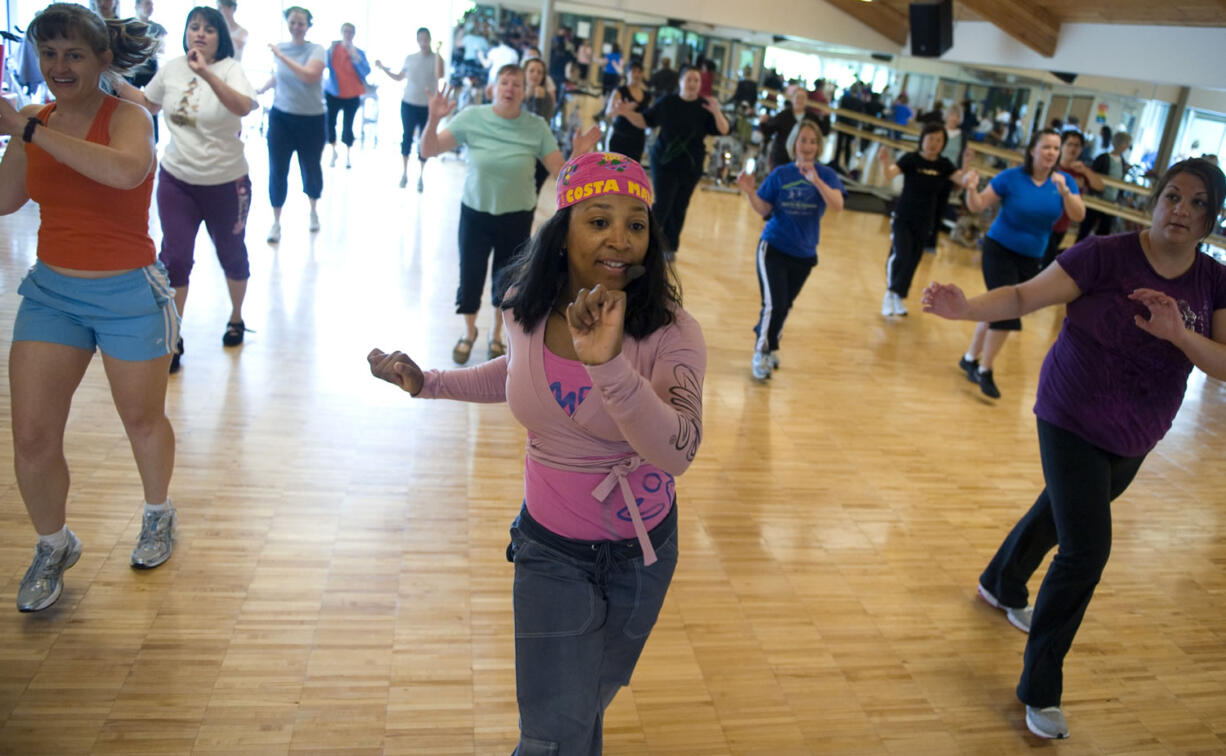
(175, 356)
(347, 164)
(1019, 618)
(157, 539)
(887, 304)
(420, 185)
(44, 581)
(314, 221)
(234, 334)
(404, 181)
(274, 233)
(971, 368)
(333, 163)
(761, 366)
(899, 307)
(986, 384)
(774, 360)
(1047, 723)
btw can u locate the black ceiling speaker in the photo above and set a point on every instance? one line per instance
(1064, 76)
(932, 28)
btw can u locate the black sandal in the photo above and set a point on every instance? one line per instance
(234, 334)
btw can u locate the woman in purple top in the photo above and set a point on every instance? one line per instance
(1143, 308)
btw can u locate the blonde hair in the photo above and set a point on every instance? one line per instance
(794, 135)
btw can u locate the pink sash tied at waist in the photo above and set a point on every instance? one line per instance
(617, 471)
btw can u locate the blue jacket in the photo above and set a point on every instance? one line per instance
(361, 66)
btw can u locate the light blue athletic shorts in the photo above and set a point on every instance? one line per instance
(130, 316)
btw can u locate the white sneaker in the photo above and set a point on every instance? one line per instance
(274, 233)
(761, 366)
(333, 163)
(887, 304)
(404, 181)
(1019, 618)
(420, 185)
(347, 163)
(1047, 723)
(899, 307)
(314, 221)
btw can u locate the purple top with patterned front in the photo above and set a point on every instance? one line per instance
(1105, 379)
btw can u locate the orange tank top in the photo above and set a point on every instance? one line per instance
(87, 225)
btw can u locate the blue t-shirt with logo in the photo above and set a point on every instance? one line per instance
(797, 209)
(1027, 211)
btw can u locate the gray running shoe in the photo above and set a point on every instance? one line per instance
(761, 366)
(1047, 723)
(1019, 618)
(44, 581)
(157, 539)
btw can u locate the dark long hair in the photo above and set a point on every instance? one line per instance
(538, 276)
(212, 17)
(1209, 174)
(1028, 158)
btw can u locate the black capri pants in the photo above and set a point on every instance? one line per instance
(347, 108)
(479, 233)
(1004, 267)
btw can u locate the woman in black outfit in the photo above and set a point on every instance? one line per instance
(628, 139)
(678, 155)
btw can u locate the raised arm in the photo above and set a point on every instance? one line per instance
(712, 106)
(433, 141)
(1073, 204)
(888, 166)
(1052, 286)
(122, 164)
(977, 201)
(485, 383)
(746, 184)
(396, 75)
(311, 73)
(1166, 322)
(231, 99)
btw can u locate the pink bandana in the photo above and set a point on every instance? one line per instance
(596, 173)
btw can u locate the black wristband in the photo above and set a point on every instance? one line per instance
(28, 134)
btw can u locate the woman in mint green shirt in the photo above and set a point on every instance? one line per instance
(504, 142)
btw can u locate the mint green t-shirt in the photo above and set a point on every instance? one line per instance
(502, 155)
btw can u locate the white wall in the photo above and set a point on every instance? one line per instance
(1191, 56)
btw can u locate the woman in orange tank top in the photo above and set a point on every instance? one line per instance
(88, 161)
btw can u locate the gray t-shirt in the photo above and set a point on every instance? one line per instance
(420, 78)
(293, 95)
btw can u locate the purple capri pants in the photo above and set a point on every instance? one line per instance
(223, 209)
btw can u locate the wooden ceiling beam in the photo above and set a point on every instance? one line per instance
(1024, 20)
(882, 18)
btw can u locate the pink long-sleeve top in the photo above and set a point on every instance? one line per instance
(645, 409)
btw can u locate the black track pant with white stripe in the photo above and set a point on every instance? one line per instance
(907, 239)
(780, 279)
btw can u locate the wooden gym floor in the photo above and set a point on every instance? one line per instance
(340, 585)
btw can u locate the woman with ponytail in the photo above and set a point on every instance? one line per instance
(87, 159)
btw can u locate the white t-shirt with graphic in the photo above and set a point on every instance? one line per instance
(205, 147)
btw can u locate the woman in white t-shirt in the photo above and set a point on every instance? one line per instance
(203, 177)
(420, 74)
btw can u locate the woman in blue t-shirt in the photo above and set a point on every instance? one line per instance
(1143, 308)
(1032, 197)
(794, 196)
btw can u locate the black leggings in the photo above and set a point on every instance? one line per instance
(907, 239)
(674, 187)
(478, 234)
(1073, 512)
(411, 118)
(780, 279)
(347, 107)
